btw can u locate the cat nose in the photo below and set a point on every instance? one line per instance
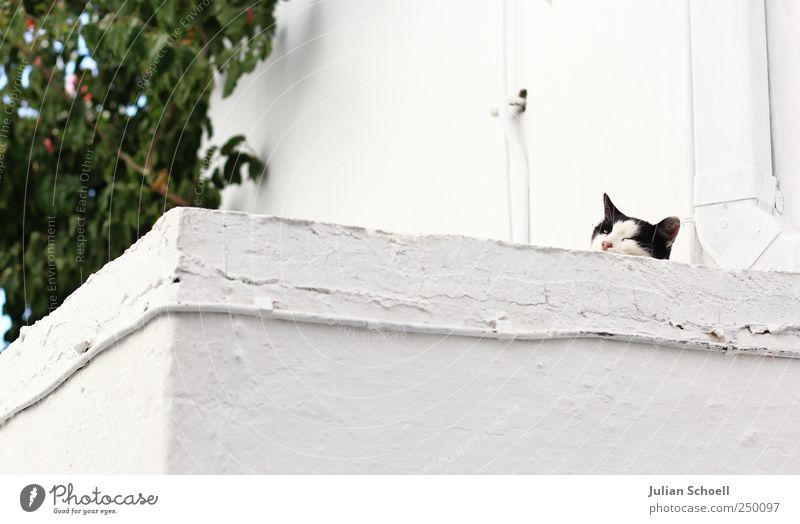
(606, 245)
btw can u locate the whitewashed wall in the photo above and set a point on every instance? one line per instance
(286, 346)
(378, 114)
(610, 111)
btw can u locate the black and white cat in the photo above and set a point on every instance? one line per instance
(619, 233)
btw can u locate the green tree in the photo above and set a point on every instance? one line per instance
(104, 109)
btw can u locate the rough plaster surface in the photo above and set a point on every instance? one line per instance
(276, 397)
(109, 417)
(231, 393)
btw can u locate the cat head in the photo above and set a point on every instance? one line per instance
(619, 233)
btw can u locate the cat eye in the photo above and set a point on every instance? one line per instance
(605, 231)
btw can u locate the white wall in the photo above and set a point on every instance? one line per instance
(297, 347)
(290, 397)
(610, 112)
(109, 418)
(377, 114)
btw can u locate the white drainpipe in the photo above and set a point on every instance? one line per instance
(511, 112)
(736, 201)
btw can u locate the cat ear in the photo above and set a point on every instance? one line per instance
(669, 228)
(611, 211)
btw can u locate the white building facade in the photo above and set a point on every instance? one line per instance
(236, 343)
(380, 114)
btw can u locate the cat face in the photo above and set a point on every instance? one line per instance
(619, 233)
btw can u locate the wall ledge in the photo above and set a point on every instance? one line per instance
(219, 285)
(451, 284)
